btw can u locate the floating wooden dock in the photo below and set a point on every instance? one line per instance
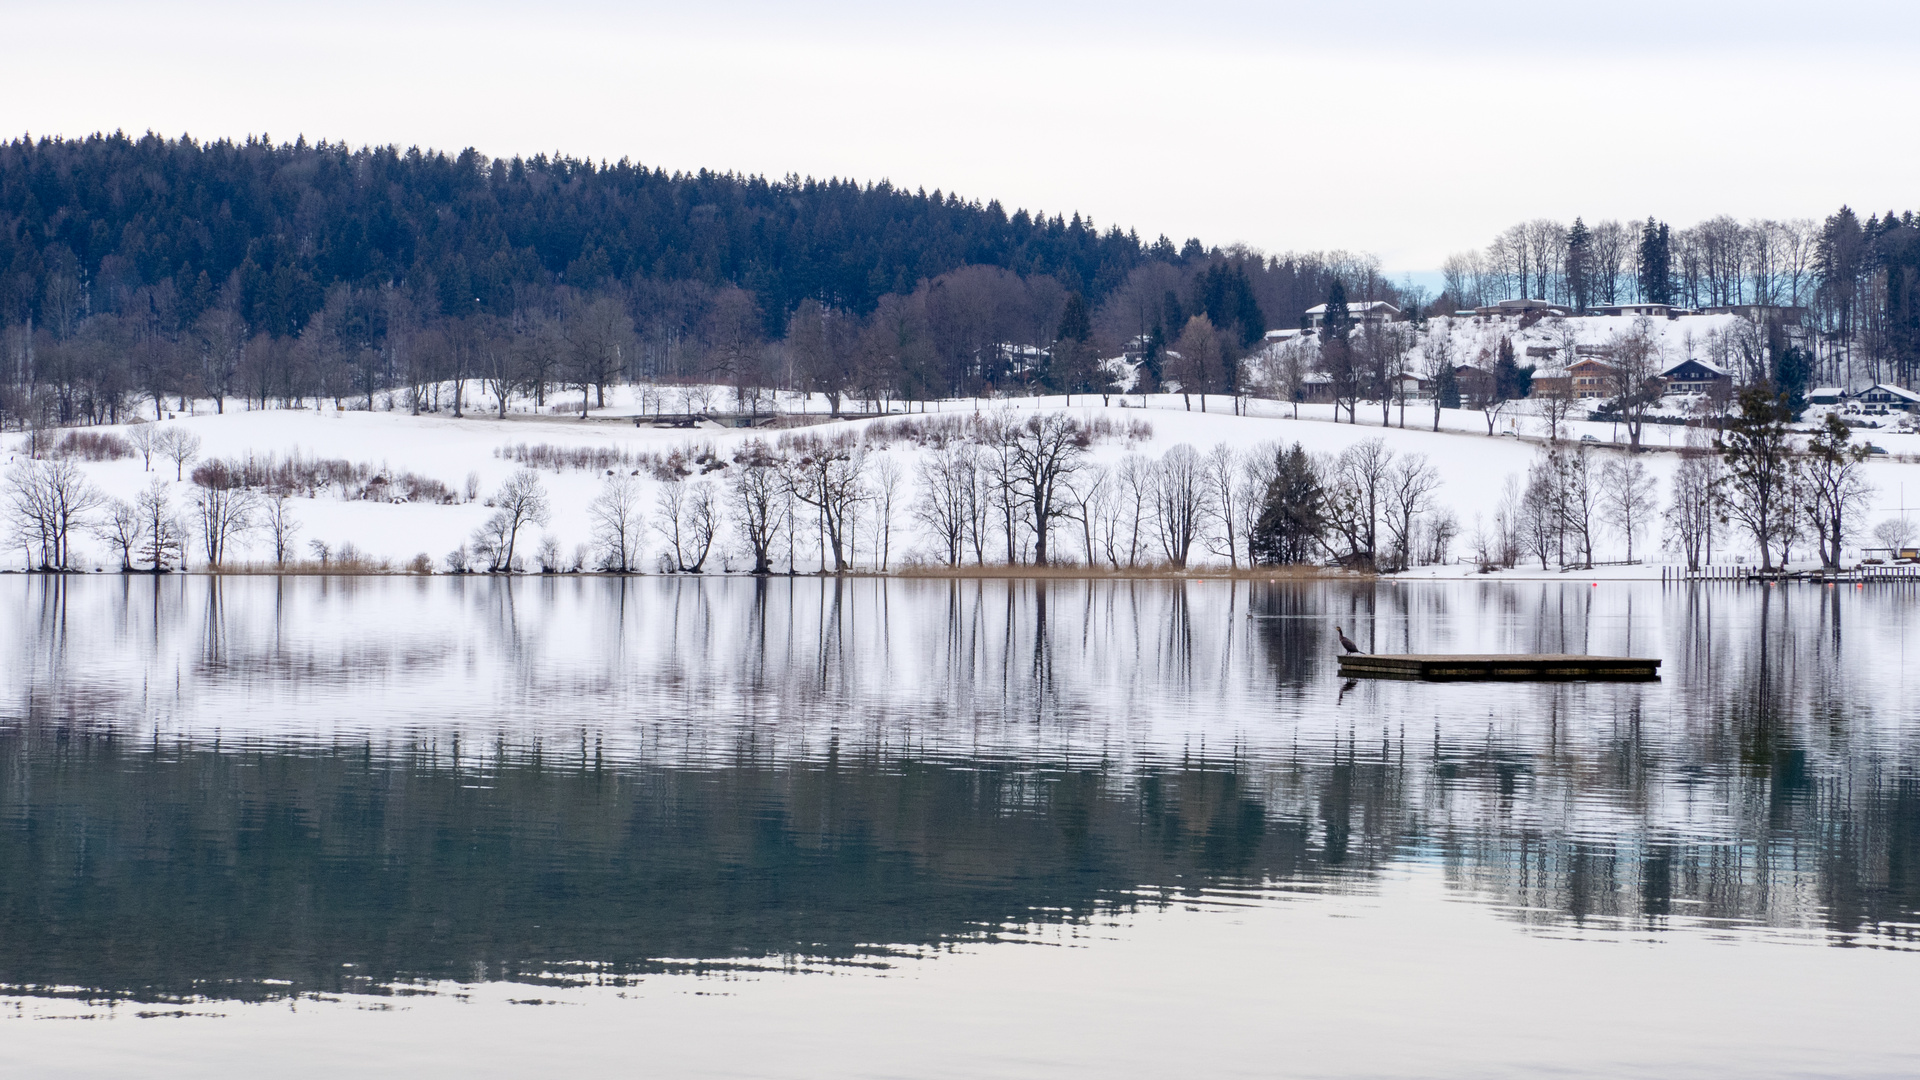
(1515, 667)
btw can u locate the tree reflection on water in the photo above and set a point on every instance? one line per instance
(254, 787)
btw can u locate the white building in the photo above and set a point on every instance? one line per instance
(1366, 311)
(1888, 396)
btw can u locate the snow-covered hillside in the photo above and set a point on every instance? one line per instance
(472, 454)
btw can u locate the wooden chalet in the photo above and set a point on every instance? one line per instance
(1590, 378)
(1692, 376)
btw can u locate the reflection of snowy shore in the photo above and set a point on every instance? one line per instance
(1772, 760)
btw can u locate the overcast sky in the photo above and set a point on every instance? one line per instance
(1405, 129)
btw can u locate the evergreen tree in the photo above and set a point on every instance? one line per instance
(1150, 374)
(1580, 266)
(1070, 363)
(1292, 513)
(1841, 260)
(1897, 252)
(1656, 263)
(1511, 381)
(1075, 322)
(1225, 295)
(1447, 388)
(1337, 325)
(1792, 375)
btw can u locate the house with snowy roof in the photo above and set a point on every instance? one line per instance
(1760, 313)
(1551, 381)
(1693, 376)
(1522, 308)
(1591, 378)
(1365, 312)
(1316, 388)
(1826, 395)
(1888, 396)
(1652, 311)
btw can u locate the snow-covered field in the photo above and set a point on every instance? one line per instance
(1473, 467)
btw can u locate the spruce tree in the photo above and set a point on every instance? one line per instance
(1075, 323)
(1447, 388)
(1292, 513)
(1511, 382)
(1337, 324)
(1656, 263)
(1069, 363)
(1580, 266)
(1791, 376)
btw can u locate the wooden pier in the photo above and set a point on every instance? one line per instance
(1521, 667)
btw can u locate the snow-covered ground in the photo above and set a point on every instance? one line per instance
(1473, 467)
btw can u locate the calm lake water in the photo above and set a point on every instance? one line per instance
(924, 828)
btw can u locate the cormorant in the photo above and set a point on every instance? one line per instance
(1345, 641)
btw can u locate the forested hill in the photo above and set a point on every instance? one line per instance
(280, 224)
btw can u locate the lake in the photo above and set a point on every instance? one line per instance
(920, 827)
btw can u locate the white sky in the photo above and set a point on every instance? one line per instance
(1406, 129)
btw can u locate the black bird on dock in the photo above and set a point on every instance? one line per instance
(1345, 641)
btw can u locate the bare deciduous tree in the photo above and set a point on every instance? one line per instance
(1091, 494)
(1385, 346)
(46, 501)
(277, 518)
(1135, 496)
(949, 478)
(1179, 504)
(1693, 514)
(1258, 468)
(703, 524)
(760, 503)
(596, 333)
(828, 476)
(141, 435)
(1220, 475)
(688, 518)
(887, 479)
(520, 502)
(1409, 488)
(165, 542)
(1356, 493)
(180, 446)
(618, 523)
(1635, 380)
(551, 560)
(223, 507)
(1046, 452)
(1579, 499)
(1895, 533)
(1541, 520)
(1627, 496)
(122, 527)
(1839, 490)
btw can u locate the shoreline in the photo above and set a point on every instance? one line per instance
(1651, 574)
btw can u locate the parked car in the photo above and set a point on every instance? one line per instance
(1588, 438)
(1877, 451)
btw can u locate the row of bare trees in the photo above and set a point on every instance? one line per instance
(1716, 262)
(46, 503)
